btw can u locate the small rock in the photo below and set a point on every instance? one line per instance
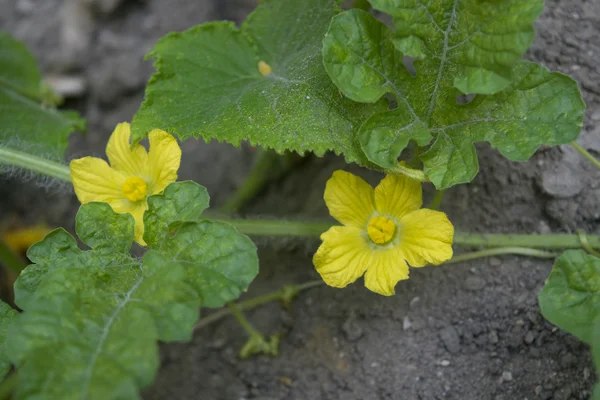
(495, 262)
(493, 337)
(507, 376)
(562, 180)
(406, 324)
(352, 330)
(529, 337)
(444, 363)
(414, 301)
(25, 6)
(474, 283)
(450, 338)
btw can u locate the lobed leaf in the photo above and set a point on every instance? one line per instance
(469, 45)
(208, 84)
(219, 262)
(92, 318)
(26, 123)
(7, 314)
(570, 298)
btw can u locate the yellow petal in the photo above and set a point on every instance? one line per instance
(349, 199)
(138, 214)
(426, 237)
(164, 159)
(120, 155)
(397, 195)
(94, 180)
(19, 240)
(343, 256)
(386, 269)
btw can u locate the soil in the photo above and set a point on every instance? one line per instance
(467, 331)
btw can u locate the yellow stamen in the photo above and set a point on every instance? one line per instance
(264, 68)
(134, 189)
(381, 230)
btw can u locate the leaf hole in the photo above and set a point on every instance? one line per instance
(409, 64)
(463, 99)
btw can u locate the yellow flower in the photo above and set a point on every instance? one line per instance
(384, 229)
(19, 240)
(132, 176)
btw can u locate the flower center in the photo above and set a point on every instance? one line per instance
(381, 230)
(134, 189)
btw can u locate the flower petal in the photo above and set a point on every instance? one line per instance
(94, 180)
(349, 199)
(121, 156)
(397, 195)
(386, 269)
(138, 214)
(164, 158)
(343, 256)
(426, 237)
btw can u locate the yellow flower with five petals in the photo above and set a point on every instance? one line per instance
(132, 176)
(384, 231)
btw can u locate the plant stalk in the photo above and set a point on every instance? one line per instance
(281, 294)
(34, 164)
(585, 153)
(314, 229)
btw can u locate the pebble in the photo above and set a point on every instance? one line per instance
(352, 330)
(529, 337)
(450, 338)
(474, 283)
(406, 324)
(444, 363)
(414, 301)
(495, 262)
(493, 337)
(562, 180)
(507, 376)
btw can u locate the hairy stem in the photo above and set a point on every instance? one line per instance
(249, 304)
(436, 202)
(314, 229)
(586, 154)
(237, 313)
(520, 251)
(413, 173)
(283, 293)
(9, 259)
(34, 164)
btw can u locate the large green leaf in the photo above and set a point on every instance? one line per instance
(570, 298)
(208, 83)
(7, 313)
(26, 122)
(471, 45)
(219, 262)
(92, 318)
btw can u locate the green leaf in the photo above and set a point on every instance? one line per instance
(26, 123)
(7, 313)
(99, 326)
(208, 84)
(96, 315)
(459, 45)
(472, 43)
(180, 202)
(219, 261)
(570, 299)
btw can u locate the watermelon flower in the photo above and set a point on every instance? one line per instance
(132, 176)
(385, 230)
